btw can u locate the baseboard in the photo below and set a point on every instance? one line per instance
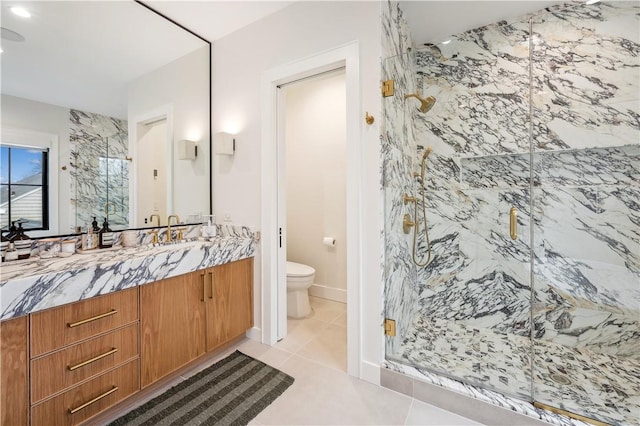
(370, 372)
(326, 292)
(254, 333)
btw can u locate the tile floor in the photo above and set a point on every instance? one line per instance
(315, 354)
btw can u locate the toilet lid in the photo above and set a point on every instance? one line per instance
(299, 270)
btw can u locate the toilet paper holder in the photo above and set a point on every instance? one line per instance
(329, 241)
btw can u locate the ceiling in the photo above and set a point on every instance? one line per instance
(72, 57)
(436, 21)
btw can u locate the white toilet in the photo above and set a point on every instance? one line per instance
(299, 279)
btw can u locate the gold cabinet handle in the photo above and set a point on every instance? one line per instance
(513, 223)
(97, 317)
(96, 399)
(204, 287)
(94, 359)
(211, 281)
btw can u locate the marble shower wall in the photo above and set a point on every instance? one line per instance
(99, 169)
(398, 152)
(472, 318)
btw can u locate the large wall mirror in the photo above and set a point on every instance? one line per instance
(105, 113)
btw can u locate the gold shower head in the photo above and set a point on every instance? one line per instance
(425, 104)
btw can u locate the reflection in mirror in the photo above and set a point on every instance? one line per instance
(91, 80)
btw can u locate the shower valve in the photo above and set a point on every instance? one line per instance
(407, 223)
(408, 199)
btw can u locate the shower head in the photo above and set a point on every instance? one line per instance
(425, 104)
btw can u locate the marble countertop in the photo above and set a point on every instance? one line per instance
(35, 284)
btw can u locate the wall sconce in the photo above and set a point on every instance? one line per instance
(224, 143)
(187, 150)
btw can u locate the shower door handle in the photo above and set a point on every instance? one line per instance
(513, 223)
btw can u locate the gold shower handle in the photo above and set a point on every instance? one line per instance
(407, 223)
(513, 223)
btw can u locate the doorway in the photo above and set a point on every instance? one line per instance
(151, 146)
(273, 274)
(312, 207)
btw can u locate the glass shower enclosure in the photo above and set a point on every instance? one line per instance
(532, 196)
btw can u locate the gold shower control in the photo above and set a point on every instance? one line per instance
(513, 223)
(407, 223)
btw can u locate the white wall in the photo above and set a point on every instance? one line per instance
(315, 138)
(40, 117)
(182, 84)
(239, 60)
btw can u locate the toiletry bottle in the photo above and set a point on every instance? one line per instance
(106, 235)
(94, 226)
(4, 244)
(22, 243)
(88, 240)
(11, 253)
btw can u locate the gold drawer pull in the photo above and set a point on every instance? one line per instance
(94, 359)
(211, 281)
(97, 317)
(204, 287)
(96, 399)
(513, 223)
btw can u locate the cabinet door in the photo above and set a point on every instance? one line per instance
(172, 324)
(229, 302)
(14, 409)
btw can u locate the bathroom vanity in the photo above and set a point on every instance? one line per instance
(81, 334)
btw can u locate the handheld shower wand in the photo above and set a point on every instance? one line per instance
(416, 224)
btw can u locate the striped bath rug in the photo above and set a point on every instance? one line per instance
(230, 392)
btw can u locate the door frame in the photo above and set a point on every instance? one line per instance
(273, 277)
(164, 112)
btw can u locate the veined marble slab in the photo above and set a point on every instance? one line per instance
(33, 285)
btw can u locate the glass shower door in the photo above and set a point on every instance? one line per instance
(586, 76)
(467, 313)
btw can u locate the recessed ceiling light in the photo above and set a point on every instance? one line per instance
(21, 12)
(446, 42)
(591, 1)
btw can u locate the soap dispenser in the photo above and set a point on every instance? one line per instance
(22, 243)
(106, 235)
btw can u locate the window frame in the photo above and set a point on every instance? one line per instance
(22, 138)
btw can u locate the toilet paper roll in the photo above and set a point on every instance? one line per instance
(329, 241)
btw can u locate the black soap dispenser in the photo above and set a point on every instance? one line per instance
(22, 243)
(105, 235)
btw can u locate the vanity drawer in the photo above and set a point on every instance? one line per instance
(68, 324)
(59, 370)
(88, 399)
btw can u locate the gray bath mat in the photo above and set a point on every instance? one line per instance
(230, 392)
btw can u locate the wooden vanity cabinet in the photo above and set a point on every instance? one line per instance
(229, 302)
(184, 316)
(172, 324)
(14, 373)
(84, 358)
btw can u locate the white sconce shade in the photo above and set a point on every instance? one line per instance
(187, 150)
(224, 144)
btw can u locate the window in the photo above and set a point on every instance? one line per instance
(24, 189)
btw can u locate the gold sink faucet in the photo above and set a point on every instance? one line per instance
(177, 218)
(157, 216)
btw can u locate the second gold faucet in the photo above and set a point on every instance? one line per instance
(177, 218)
